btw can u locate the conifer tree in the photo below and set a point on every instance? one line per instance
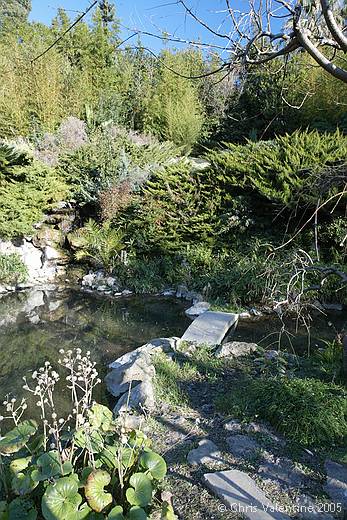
(14, 12)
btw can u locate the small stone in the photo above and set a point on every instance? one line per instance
(336, 485)
(206, 453)
(88, 280)
(110, 281)
(131, 422)
(126, 292)
(244, 315)
(282, 471)
(236, 349)
(233, 426)
(169, 292)
(242, 445)
(239, 492)
(264, 430)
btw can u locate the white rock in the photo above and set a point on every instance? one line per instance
(51, 253)
(141, 398)
(118, 381)
(197, 309)
(233, 426)
(88, 280)
(206, 453)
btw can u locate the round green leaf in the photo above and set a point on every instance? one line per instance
(154, 463)
(15, 439)
(116, 514)
(49, 466)
(140, 494)
(61, 500)
(97, 498)
(21, 508)
(100, 417)
(109, 457)
(93, 440)
(137, 513)
(23, 484)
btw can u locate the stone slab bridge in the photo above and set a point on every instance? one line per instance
(210, 327)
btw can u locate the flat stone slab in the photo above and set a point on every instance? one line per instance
(336, 485)
(282, 471)
(210, 328)
(206, 453)
(239, 492)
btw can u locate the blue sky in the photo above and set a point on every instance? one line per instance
(148, 15)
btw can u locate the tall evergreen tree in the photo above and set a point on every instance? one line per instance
(14, 11)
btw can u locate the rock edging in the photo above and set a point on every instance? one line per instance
(131, 376)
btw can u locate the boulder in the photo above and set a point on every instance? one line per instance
(119, 379)
(206, 453)
(236, 349)
(141, 398)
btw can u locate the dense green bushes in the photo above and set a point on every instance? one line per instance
(27, 190)
(307, 411)
(283, 170)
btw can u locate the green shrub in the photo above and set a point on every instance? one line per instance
(12, 269)
(100, 244)
(173, 210)
(111, 158)
(27, 188)
(307, 411)
(79, 466)
(282, 169)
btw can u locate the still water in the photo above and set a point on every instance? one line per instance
(35, 325)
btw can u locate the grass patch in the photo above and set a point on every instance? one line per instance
(306, 411)
(169, 379)
(173, 376)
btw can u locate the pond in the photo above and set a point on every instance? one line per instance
(35, 325)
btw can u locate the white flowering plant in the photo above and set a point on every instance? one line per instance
(82, 466)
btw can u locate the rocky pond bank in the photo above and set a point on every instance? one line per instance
(221, 467)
